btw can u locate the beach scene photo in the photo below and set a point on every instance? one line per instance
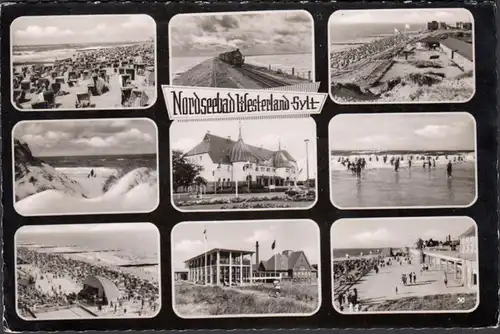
(401, 56)
(405, 265)
(403, 160)
(244, 165)
(246, 268)
(88, 271)
(78, 62)
(85, 166)
(252, 50)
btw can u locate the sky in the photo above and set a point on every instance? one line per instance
(278, 32)
(268, 133)
(409, 16)
(187, 238)
(394, 232)
(402, 132)
(88, 137)
(86, 228)
(75, 29)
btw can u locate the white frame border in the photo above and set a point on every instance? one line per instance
(476, 188)
(249, 221)
(85, 120)
(478, 294)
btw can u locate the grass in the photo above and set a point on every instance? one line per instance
(443, 302)
(306, 293)
(193, 300)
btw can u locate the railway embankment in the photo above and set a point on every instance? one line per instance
(216, 73)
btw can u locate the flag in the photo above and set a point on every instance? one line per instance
(205, 233)
(273, 245)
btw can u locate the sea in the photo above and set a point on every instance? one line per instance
(344, 36)
(47, 54)
(302, 63)
(340, 253)
(124, 161)
(137, 246)
(383, 187)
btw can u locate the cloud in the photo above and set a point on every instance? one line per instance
(35, 31)
(262, 235)
(138, 21)
(378, 236)
(438, 131)
(191, 246)
(399, 16)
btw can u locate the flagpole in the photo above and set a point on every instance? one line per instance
(275, 256)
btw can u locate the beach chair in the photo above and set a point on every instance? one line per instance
(49, 97)
(40, 105)
(60, 80)
(139, 98)
(124, 80)
(55, 87)
(126, 94)
(131, 73)
(83, 100)
(25, 85)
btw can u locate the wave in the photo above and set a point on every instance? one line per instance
(136, 191)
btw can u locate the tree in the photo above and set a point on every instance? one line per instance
(419, 244)
(183, 171)
(199, 182)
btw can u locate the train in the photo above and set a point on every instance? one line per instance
(235, 58)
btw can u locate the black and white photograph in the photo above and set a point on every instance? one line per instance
(251, 268)
(77, 62)
(401, 56)
(88, 271)
(418, 160)
(405, 265)
(89, 166)
(252, 50)
(244, 165)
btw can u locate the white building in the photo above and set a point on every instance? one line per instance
(225, 161)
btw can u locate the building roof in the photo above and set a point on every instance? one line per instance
(241, 152)
(214, 250)
(220, 151)
(470, 232)
(463, 48)
(284, 262)
(110, 290)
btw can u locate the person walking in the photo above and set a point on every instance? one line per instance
(449, 169)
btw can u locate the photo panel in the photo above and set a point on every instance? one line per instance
(394, 161)
(81, 62)
(250, 164)
(401, 56)
(248, 50)
(88, 166)
(254, 268)
(405, 265)
(87, 271)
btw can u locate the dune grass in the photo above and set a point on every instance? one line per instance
(213, 300)
(307, 293)
(443, 302)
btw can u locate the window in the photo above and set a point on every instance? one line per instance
(228, 168)
(256, 169)
(288, 170)
(268, 169)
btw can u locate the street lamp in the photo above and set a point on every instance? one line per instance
(307, 161)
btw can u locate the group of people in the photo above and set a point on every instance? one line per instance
(37, 86)
(347, 57)
(137, 294)
(356, 165)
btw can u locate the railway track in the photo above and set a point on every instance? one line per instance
(266, 80)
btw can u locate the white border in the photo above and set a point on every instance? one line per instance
(443, 114)
(86, 120)
(402, 219)
(47, 17)
(160, 301)
(261, 315)
(401, 102)
(236, 13)
(315, 163)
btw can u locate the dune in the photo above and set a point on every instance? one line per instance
(134, 192)
(32, 175)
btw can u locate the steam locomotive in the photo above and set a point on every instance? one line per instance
(233, 57)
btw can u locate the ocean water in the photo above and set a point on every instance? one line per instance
(136, 244)
(408, 187)
(301, 62)
(345, 33)
(126, 161)
(339, 253)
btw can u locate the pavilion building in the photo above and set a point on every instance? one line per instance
(225, 161)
